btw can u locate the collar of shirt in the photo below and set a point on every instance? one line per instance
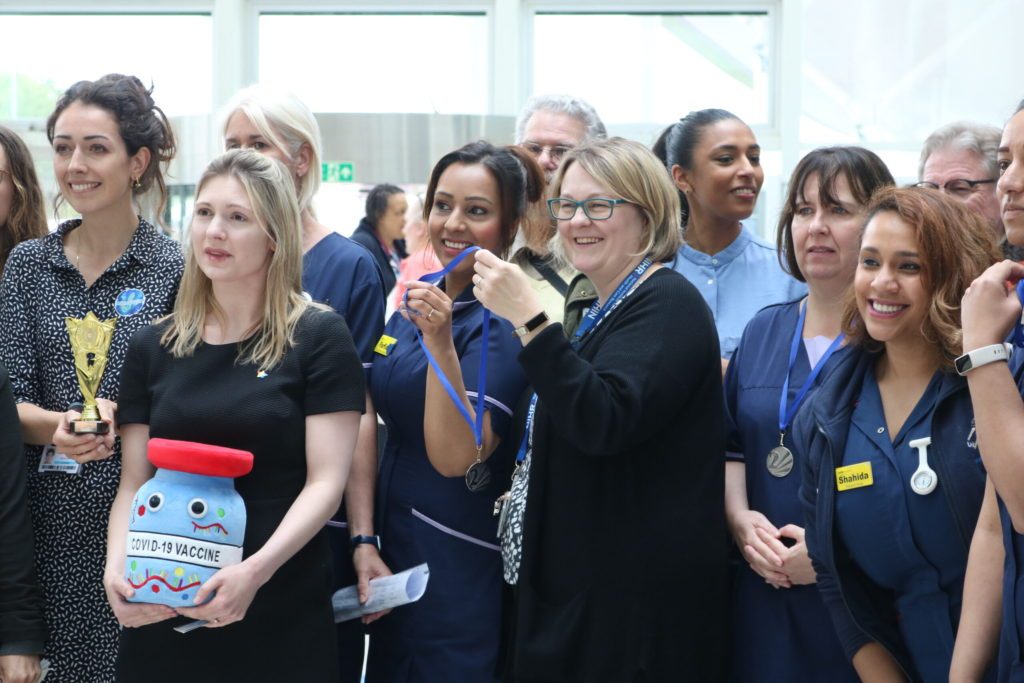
(723, 257)
(140, 248)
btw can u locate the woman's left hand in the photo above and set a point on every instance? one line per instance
(796, 562)
(504, 289)
(429, 309)
(236, 586)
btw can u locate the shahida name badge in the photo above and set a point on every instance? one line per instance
(854, 476)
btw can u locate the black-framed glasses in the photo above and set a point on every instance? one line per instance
(595, 208)
(958, 187)
(555, 152)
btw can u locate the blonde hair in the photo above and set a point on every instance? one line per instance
(631, 171)
(272, 195)
(284, 120)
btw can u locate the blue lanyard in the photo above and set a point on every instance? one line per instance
(786, 413)
(476, 425)
(1018, 329)
(596, 313)
(527, 443)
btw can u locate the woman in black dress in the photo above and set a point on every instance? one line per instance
(246, 362)
(109, 139)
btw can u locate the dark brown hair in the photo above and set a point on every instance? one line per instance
(955, 246)
(140, 122)
(519, 179)
(864, 171)
(27, 217)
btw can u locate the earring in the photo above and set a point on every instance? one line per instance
(136, 184)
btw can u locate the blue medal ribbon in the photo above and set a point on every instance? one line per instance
(477, 424)
(788, 412)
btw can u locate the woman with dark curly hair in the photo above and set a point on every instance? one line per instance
(22, 214)
(892, 476)
(109, 139)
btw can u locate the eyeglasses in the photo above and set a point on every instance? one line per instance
(555, 152)
(595, 208)
(958, 187)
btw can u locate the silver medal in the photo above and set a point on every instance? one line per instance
(478, 476)
(780, 461)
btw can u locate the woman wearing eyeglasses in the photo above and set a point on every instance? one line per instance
(613, 532)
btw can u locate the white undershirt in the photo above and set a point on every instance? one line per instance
(816, 348)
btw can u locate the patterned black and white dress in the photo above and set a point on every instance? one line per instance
(40, 287)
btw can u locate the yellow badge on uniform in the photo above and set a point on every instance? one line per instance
(384, 345)
(854, 476)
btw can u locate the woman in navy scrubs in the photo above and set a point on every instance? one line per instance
(996, 569)
(434, 505)
(892, 478)
(785, 635)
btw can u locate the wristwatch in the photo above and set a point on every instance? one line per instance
(983, 356)
(357, 541)
(531, 324)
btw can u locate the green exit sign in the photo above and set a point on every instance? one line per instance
(338, 171)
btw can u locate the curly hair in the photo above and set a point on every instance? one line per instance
(27, 216)
(955, 247)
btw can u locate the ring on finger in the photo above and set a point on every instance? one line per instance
(216, 620)
(430, 313)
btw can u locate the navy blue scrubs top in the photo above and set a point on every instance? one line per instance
(784, 634)
(1011, 637)
(453, 632)
(905, 542)
(339, 273)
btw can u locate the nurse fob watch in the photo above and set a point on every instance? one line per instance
(924, 480)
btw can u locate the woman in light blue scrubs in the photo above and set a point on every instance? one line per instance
(892, 477)
(996, 569)
(786, 635)
(715, 162)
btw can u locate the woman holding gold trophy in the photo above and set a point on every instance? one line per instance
(69, 303)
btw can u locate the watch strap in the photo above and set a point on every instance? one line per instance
(982, 356)
(531, 324)
(359, 540)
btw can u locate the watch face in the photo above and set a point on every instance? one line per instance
(963, 364)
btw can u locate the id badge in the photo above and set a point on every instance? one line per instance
(854, 476)
(52, 461)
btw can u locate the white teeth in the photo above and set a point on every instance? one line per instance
(885, 308)
(587, 240)
(82, 187)
(452, 244)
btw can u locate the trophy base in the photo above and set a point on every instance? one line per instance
(89, 427)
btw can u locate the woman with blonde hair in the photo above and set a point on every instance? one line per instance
(338, 272)
(617, 492)
(265, 371)
(892, 476)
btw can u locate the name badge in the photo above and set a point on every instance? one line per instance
(854, 476)
(384, 345)
(52, 461)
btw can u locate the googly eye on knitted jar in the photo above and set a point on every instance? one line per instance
(187, 522)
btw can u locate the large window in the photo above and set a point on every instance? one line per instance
(428, 63)
(42, 54)
(641, 68)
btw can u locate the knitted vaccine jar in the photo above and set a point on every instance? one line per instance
(186, 522)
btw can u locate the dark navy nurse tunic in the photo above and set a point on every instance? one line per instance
(778, 634)
(452, 633)
(1011, 637)
(905, 542)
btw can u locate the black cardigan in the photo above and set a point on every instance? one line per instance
(624, 566)
(22, 628)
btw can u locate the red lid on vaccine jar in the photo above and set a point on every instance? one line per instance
(199, 458)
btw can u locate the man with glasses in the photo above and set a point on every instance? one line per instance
(960, 160)
(548, 127)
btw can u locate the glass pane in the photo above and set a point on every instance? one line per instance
(35, 68)
(637, 68)
(429, 63)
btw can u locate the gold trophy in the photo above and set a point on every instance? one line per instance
(90, 341)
